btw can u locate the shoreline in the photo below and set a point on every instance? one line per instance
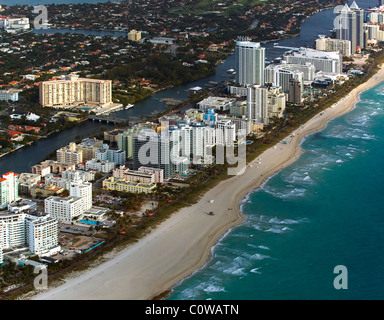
(184, 243)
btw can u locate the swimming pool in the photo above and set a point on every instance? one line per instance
(95, 223)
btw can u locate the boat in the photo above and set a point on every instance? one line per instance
(231, 70)
(129, 106)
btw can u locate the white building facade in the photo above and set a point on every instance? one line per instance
(250, 63)
(64, 209)
(322, 60)
(39, 233)
(9, 189)
(257, 104)
(101, 166)
(42, 235)
(82, 190)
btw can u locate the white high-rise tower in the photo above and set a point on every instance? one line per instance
(250, 62)
(257, 104)
(350, 26)
(82, 190)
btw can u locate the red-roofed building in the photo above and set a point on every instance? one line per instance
(30, 128)
(15, 135)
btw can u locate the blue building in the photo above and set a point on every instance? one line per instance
(210, 116)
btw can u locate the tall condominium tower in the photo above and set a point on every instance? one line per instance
(280, 75)
(9, 185)
(295, 91)
(329, 44)
(82, 190)
(350, 26)
(257, 104)
(250, 62)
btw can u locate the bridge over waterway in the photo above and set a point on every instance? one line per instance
(107, 119)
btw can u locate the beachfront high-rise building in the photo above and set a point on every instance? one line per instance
(13, 229)
(203, 140)
(82, 190)
(63, 209)
(74, 90)
(276, 102)
(257, 104)
(281, 74)
(330, 62)
(171, 156)
(250, 62)
(359, 24)
(39, 232)
(145, 148)
(373, 33)
(42, 234)
(295, 91)
(308, 70)
(375, 15)
(225, 132)
(350, 26)
(173, 148)
(9, 188)
(79, 201)
(329, 44)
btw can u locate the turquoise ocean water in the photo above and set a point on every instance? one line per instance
(324, 210)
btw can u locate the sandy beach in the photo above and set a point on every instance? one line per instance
(182, 244)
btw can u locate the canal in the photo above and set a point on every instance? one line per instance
(22, 159)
